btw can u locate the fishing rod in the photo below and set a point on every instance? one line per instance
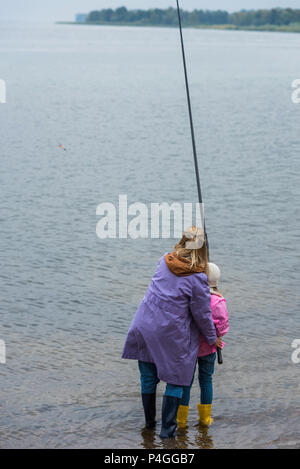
(219, 351)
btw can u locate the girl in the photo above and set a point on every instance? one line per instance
(165, 332)
(207, 354)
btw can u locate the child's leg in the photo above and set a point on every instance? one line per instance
(183, 410)
(185, 400)
(149, 381)
(206, 367)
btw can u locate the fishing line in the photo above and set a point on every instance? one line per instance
(220, 359)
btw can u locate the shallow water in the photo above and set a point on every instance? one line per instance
(115, 98)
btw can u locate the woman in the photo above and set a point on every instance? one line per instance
(164, 334)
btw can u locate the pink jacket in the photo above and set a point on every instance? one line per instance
(220, 319)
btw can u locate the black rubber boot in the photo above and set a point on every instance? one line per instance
(169, 416)
(149, 404)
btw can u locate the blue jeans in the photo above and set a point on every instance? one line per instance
(150, 380)
(206, 368)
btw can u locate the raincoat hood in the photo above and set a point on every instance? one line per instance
(181, 266)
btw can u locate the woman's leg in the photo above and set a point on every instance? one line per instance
(174, 391)
(171, 401)
(149, 381)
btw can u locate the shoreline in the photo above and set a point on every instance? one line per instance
(294, 28)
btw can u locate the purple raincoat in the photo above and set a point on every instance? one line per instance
(167, 325)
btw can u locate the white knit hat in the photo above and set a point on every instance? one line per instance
(214, 274)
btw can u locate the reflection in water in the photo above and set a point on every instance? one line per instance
(148, 439)
(203, 440)
(183, 440)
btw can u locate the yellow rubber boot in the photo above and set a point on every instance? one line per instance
(182, 416)
(204, 411)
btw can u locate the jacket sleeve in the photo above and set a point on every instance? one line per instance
(221, 318)
(200, 307)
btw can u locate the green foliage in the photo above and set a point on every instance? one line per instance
(253, 19)
(156, 16)
(276, 16)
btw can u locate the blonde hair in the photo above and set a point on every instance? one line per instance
(198, 255)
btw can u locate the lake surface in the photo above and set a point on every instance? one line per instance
(115, 99)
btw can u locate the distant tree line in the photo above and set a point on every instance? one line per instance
(275, 16)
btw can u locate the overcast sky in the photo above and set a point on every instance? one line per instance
(52, 10)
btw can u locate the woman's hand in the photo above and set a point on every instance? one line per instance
(219, 342)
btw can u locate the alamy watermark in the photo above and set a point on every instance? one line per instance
(2, 92)
(155, 220)
(296, 93)
(296, 353)
(2, 352)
